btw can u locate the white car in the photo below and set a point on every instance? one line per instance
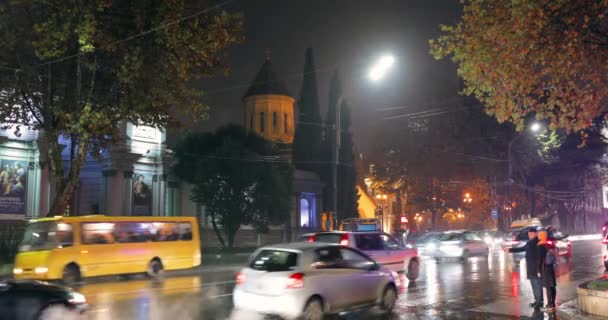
(380, 246)
(460, 244)
(309, 280)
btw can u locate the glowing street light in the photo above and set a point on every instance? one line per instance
(381, 67)
(535, 127)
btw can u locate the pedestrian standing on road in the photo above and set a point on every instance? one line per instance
(547, 265)
(533, 269)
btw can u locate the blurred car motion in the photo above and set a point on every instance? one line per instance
(309, 280)
(35, 300)
(460, 244)
(426, 243)
(518, 238)
(380, 246)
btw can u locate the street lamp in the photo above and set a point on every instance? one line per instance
(377, 72)
(381, 199)
(534, 127)
(381, 67)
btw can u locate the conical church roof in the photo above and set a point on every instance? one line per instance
(266, 82)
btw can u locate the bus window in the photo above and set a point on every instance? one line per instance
(165, 231)
(184, 229)
(46, 236)
(97, 233)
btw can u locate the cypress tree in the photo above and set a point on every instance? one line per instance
(308, 136)
(347, 177)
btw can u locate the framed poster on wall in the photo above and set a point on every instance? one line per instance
(142, 195)
(13, 187)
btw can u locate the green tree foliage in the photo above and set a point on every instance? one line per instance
(238, 177)
(77, 68)
(544, 58)
(307, 141)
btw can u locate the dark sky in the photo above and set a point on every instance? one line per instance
(348, 35)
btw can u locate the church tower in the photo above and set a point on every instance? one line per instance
(269, 109)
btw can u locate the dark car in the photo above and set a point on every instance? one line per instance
(36, 300)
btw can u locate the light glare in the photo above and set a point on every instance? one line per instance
(381, 67)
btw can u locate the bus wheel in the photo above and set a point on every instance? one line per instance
(71, 275)
(155, 269)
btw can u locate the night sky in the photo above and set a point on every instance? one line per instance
(349, 35)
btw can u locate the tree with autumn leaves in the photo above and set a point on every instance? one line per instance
(522, 58)
(75, 69)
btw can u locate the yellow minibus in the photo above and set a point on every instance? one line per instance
(71, 248)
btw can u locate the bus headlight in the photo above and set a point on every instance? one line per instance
(41, 270)
(77, 298)
(17, 271)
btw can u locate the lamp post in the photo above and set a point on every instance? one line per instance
(376, 73)
(382, 199)
(534, 127)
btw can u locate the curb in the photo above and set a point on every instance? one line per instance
(570, 311)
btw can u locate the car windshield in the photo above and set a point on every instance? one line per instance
(520, 235)
(46, 235)
(328, 237)
(451, 236)
(274, 261)
(428, 237)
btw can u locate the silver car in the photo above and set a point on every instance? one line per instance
(460, 244)
(309, 280)
(380, 246)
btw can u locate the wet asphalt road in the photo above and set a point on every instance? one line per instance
(480, 288)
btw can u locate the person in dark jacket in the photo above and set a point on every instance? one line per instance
(533, 269)
(548, 258)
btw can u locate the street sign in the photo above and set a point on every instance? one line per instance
(494, 214)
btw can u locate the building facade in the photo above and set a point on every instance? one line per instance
(134, 176)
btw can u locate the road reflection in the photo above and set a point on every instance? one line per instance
(449, 289)
(185, 298)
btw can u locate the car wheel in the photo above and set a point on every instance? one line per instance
(465, 255)
(155, 269)
(71, 275)
(57, 312)
(313, 310)
(413, 270)
(389, 298)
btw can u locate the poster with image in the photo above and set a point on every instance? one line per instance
(142, 195)
(13, 186)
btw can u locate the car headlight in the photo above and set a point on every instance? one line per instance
(41, 270)
(17, 271)
(77, 298)
(431, 247)
(409, 246)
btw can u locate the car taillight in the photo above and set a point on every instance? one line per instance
(240, 278)
(604, 228)
(312, 238)
(605, 241)
(605, 258)
(550, 242)
(344, 240)
(295, 281)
